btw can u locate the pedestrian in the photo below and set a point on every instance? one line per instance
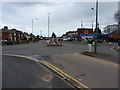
(119, 45)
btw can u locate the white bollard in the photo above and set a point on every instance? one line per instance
(93, 43)
(89, 47)
(110, 43)
(118, 48)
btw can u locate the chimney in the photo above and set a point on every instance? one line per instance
(5, 27)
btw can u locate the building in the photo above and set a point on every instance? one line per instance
(83, 31)
(76, 34)
(14, 35)
(6, 34)
(110, 28)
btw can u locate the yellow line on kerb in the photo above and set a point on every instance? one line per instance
(64, 75)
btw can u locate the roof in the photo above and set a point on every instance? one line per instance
(3, 30)
(84, 29)
(69, 32)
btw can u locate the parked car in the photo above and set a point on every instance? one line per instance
(3, 41)
(69, 39)
(65, 39)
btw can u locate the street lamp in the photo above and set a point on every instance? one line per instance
(32, 25)
(40, 33)
(48, 23)
(95, 46)
(32, 28)
(96, 27)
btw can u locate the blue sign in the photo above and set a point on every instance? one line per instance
(71, 35)
(94, 35)
(55, 40)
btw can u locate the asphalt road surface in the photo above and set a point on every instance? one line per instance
(24, 73)
(93, 72)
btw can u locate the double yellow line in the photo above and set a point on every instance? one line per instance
(66, 76)
(58, 71)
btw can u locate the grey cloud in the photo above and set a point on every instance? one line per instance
(64, 16)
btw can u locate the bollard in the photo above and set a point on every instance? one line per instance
(89, 47)
(110, 43)
(93, 43)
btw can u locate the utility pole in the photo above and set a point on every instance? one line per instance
(95, 46)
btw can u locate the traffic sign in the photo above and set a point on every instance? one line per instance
(94, 35)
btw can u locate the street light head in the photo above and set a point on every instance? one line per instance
(92, 8)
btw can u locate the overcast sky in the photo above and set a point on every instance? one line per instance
(64, 16)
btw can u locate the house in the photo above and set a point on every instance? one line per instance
(83, 31)
(14, 35)
(70, 34)
(76, 34)
(6, 34)
(25, 36)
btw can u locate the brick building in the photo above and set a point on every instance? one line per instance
(76, 34)
(6, 34)
(13, 34)
(83, 31)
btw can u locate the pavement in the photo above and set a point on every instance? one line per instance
(24, 73)
(93, 72)
(103, 56)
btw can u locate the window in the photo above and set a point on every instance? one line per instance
(14, 34)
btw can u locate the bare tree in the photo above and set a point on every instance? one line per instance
(107, 30)
(117, 17)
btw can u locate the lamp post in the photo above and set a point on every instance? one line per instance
(40, 34)
(48, 24)
(95, 46)
(92, 25)
(32, 28)
(32, 25)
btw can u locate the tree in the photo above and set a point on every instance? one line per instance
(107, 30)
(117, 17)
(38, 37)
(53, 35)
(98, 31)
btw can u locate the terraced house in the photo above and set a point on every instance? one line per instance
(13, 34)
(6, 34)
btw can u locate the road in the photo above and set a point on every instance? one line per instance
(24, 73)
(93, 72)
